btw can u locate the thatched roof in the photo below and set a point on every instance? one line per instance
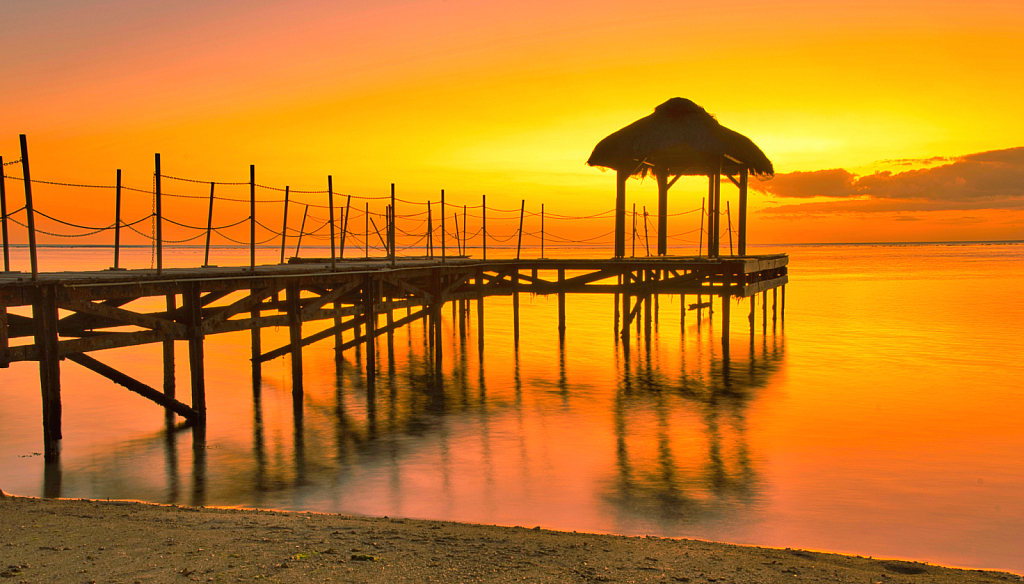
(683, 138)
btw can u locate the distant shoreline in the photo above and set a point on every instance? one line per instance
(49, 540)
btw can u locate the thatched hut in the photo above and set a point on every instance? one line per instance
(680, 139)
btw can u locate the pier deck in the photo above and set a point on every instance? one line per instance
(75, 313)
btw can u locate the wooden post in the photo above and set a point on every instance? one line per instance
(117, 221)
(661, 174)
(44, 316)
(254, 335)
(4, 342)
(284, 222)
(725, 325)
(193, 309)
(783, 304)
(647, 239)
(366, 236)
(430, 231)
(728, 218)
(443, 234)
(330, 218)
(711, 215)
(515, 306)
(620, 212)
(618, 282)
(159, 220)
(561, 301)
(522, 210)
(302, 229)
(338, 339)
(29, 210)
(648, 276)
(626, 321)
(458, 243)
(464, 224)
(775, 306)
(294, 308)
(542, 231)
(700, 244)
(764, 312)
(168, 348)
(484, 227)
(750, 316)
(252, 217)
(344, 225)
(369, 298)
(743, 212)
(633, 239)
(391, 238)
(3, 215)
(209, 230)
(480, 310)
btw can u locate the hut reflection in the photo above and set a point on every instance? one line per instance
(681, 440)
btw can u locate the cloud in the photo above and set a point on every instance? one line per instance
(906, 218)
(986, 180)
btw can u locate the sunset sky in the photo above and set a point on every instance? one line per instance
(877, 115)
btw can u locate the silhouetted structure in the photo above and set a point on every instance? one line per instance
(680, 139)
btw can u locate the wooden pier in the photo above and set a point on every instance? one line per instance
(98, 310)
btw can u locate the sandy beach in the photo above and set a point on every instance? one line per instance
(46, 540)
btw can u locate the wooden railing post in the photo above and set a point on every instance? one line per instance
(302, 229)
(29, 209)
(483, 206)
(3, 216)
(209, 229)
(159, 221)
(284, 222)
(117, 222)
(252, 217)
(330, 218)
(391, 240)
(542, 231)
(344, 225)
(443, 234)
(519, 244)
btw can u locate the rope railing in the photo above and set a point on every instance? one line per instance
(431, 228)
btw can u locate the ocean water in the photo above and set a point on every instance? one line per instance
(883, 416)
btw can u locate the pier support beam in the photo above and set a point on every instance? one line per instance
(369, 298)
(515, 307)
(44, 315)
(561, 302)
(168, 350)
(193, 309)
(294, 308)
(257, 369)
(620, 212)
(726, 307)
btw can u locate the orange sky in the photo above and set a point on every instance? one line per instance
(508, 99)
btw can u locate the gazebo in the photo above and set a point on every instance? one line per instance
(681, 139)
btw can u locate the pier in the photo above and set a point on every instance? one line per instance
(55, 316)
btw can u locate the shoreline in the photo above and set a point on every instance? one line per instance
(77, 540)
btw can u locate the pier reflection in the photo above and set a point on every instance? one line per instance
(682, 451)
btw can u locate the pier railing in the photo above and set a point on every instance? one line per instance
(359, 226)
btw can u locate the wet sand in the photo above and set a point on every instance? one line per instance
(46, 540)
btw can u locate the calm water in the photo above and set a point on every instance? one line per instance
(884, 418)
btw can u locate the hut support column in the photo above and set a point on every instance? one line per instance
(620, 213)
(718, 207)
(662, 176)
(44, 315)
(726, 305)
(743, 212)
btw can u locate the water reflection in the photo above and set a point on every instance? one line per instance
(682, 451)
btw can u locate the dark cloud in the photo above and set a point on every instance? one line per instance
(986, 180)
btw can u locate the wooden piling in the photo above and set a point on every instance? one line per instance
(480, 309)
(391, 240)
(515, 307)
(302, 229)
(542, 231)
(764, 311)
(661, 175)
(620, 212)
(254, 335)
(4, 341)
(369, 298)
(193, 311)
(783, 304)
(344, 226)
(294, 309)
(561, 301)
(159, 218)
(44, 316)
(726, 307)
(519, 244)
(444, 234)
(168, 349)
(775, 306)
(743, 212)
(483, 207)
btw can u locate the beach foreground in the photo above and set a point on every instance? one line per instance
(47, 540)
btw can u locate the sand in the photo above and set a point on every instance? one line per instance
(78, 541)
